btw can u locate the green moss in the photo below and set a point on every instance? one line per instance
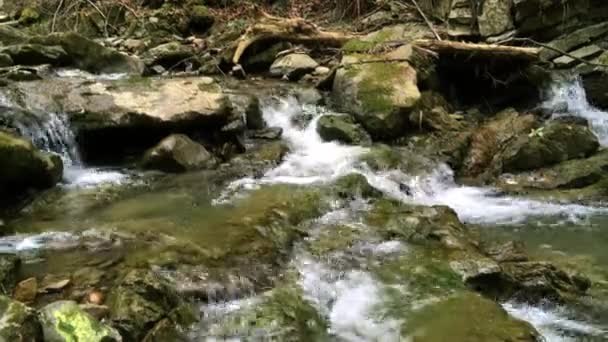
(375, 88)
(369, 43)
(332, 239)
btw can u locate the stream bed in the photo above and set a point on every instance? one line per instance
(340, 280)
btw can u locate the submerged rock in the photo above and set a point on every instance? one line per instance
(178, 153)
(354, 186)
(18, 322)
(378, 94)
(293, 66)
(342, 128)
(65, 321)
(22, 166)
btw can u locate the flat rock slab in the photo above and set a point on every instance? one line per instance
(583, 53)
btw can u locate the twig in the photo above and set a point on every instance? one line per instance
(105, 18)
(546, 46)
(55, 16)
(426, 20)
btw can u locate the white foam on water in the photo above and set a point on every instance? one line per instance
(572, 93)
(76, 176)
(349, 301)
(77, 73)
(554, 324)
(49, 240)
(474, 204)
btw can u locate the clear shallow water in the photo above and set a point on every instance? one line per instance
(341, 287)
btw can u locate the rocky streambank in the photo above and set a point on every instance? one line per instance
(328, 182)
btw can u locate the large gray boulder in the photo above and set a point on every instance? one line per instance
(167, 55)
(293, 66)
(178, 153)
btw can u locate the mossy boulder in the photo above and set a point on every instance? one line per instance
(22, 166)
(379, 94)
(89, 55)
(35, 54)
(342, 128)
(201, 19)
(355, 185)
(403, 32)
(551, 144)
(18, 322)
(140, 300)
(468, 317)
(10, 35)
(65, 321)
(29, 16)
(178, 153)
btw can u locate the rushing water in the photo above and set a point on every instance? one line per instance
(342, 286)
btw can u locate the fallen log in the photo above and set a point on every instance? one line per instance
(489, 51)
(295, 30)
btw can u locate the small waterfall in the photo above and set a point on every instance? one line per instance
(569, 98)
(53, 133)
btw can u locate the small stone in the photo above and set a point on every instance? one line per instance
(26, 290)
(95, 297)
(98, 311)
(321, 71)
(205, 80)
(55, 286)
(158, 69)
(271, 133)
(238, 71)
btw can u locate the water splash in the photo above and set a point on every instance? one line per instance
(571, 97)
(554, 324)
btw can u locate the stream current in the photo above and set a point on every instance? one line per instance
(356, 302)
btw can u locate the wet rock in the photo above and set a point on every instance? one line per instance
(5, 60)
(308, 96)
(10, 35)
(355, 186)
(139, 301)
(573, 174)
(436, 119)
(548, 145)
(65, 321)
(404, 32)
(264, 59)
(379, 95)
(89, 55)
(508, 252)
(22, 166)
(26, 290)
(270, 133)
(534, 281)
(495, 17)
(342, 128)
(35, 54)
(50, 285)
(178, 153)
(9, 265)
(573, 40)
(571, 120)
(293, 66)
(469, 317)
(595, 88)
(167, 55)
(18, 322)
(99, 312)
(249, 107)
(165, 330)
(491, 137)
